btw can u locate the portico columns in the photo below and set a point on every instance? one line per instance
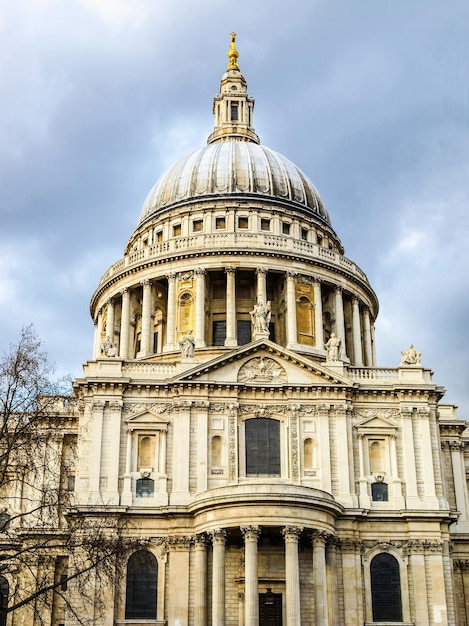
(230, 339)
(218, 577)
(110, 320)
(251, 592)
(367, 338)
(356, 332)
(125, 324)
(146, 319)
(200, 581)
(318, 329)
(200, 308)
(171, 317)
(292, 337)
(98, 332)
(339, 320)
(319, 578)
(292, 575)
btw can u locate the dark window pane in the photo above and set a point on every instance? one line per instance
(4, 590)
(142, 576)
(385, 589)
(219, 333)
(262, 438)
(244, 332)
(234, 112)
(379, 492)
(145, 487)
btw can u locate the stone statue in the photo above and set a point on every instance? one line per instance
(108, 348)
(411, 356)
(188, 345)
(260, 316)
(333, 348)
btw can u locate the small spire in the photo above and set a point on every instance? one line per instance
(233, 54)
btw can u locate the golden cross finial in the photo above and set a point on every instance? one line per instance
(233, 54)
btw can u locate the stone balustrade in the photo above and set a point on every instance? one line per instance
(223, 241)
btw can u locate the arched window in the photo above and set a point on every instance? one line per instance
(376, 456)
(308, 453)
(262, 437)
(4, 590)
(146, 451)
(386, 589)
(141, 588)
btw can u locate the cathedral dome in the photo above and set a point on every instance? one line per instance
(232, 168)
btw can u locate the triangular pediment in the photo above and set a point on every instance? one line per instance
(375, 424)
(147, 419)
(263, 363)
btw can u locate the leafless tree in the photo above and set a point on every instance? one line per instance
(50, 554)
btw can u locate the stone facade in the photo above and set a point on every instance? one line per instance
(233, 411)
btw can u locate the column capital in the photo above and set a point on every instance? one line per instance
(171, 277)
(339, 289)
(218, 536)
(355, 300)
(292, 532)
(200, 271)
(110, 301)
(317, 280)
(250, 532)
(290, 274)
(230, 270)
(261, 270)
(320, 537)
(146, 282)
(123, 291)
(200, 541)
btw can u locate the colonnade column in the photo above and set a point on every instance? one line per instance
(218, 577)
(97, 334)
(261, 285)
(251, 584)
(145, 348)
(125, 324)
(110, 320)
(319, 578)
(357, 335)
(200, 581)
(339, 320)
(230, 307)
(318, 329)
(200, 308)
(367, 338)
(171, 314)
(292, 575)
(292, 336)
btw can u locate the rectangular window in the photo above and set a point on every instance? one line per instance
(262, 441)
(219, 333)
(304, 234)
(243, 328)
(234, 112)
(197, 226)
(159, 236)
(177, 230)
(265, 224)
(243, 222)
(285, 228)
(220, 223)
(71, 483)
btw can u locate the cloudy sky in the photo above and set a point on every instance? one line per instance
(369, 98)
